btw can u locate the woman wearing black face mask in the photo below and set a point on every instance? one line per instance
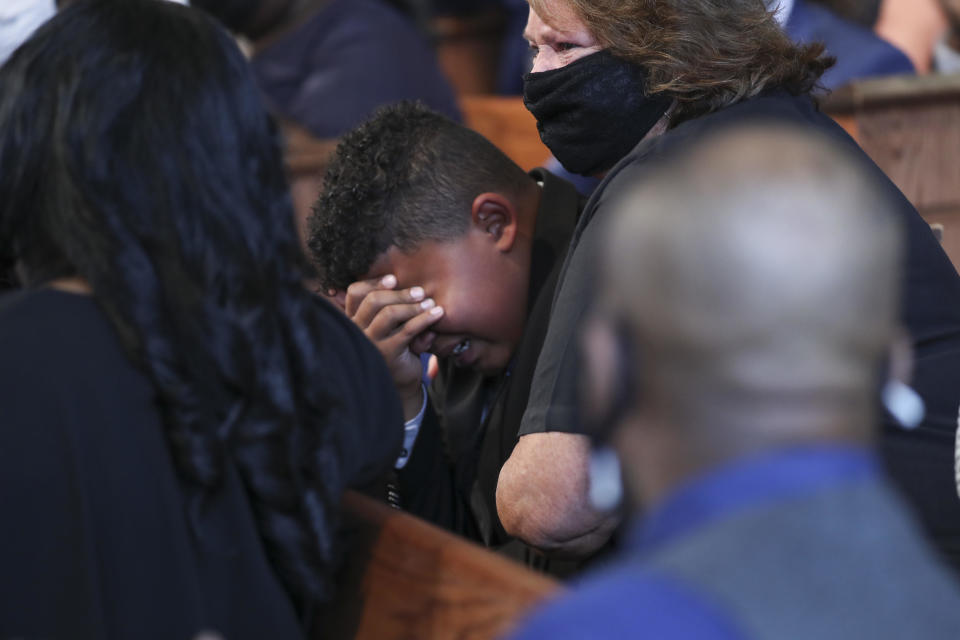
(618, 84)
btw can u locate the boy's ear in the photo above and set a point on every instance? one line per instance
(495, 214)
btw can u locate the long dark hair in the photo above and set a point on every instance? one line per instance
(134, 153)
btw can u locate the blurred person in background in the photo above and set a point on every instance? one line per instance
(946, 55)
(914, 27)
(326, 65)
(180, 415)
(860, 52)
(736, 379)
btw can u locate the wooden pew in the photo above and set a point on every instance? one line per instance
(306, 159)
(468, 49)
(910, 126)
(406, 579)
(506, 123)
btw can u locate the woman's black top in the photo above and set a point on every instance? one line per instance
(98, 537)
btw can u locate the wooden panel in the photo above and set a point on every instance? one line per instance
(406, 579)
(306, 159)
(507, 123)
(910, 126)
(468, 50)
(303, 153)
(917, 145)
(849, 124)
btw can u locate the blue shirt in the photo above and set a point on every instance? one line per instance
(331, 73)
(628, 600)
(860, 53)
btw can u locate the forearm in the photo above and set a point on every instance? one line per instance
(542, 496)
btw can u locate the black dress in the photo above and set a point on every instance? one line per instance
(98, 538)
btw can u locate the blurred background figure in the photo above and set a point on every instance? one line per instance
(180, 415)
(914, 27)
(328, 64)
(862, 12)
(860, 53)
(324, 66)
(737, 378)
(946, 55)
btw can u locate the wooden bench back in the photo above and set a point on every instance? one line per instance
(910, 126)
(505, 122)
(406, 579)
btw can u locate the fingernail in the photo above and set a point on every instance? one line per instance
(428, 303)
(389, 281)
(416, 293)
(436, 311)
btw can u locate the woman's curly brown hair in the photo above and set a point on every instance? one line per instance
(707, 54)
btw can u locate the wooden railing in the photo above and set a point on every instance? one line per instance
(403, 578)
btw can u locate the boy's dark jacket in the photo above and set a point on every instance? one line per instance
(451, 476)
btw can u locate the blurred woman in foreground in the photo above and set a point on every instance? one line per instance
(179, 415)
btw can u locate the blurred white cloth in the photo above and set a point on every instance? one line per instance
(945, 58)
(956, 458)
(19, 19)
(784, 9)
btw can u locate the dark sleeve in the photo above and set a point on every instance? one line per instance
(552, 405)
(48, 581)
(427, 482)
(368, 412)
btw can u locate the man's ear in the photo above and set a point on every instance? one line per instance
(495, 214)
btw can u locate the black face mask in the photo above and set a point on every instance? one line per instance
(593, 111)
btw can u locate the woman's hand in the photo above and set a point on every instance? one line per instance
(397, 322)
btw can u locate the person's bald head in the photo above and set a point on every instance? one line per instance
(758, 277)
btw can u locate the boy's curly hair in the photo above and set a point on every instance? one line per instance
(405, 176)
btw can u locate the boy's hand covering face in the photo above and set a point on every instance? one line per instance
(397, 322)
